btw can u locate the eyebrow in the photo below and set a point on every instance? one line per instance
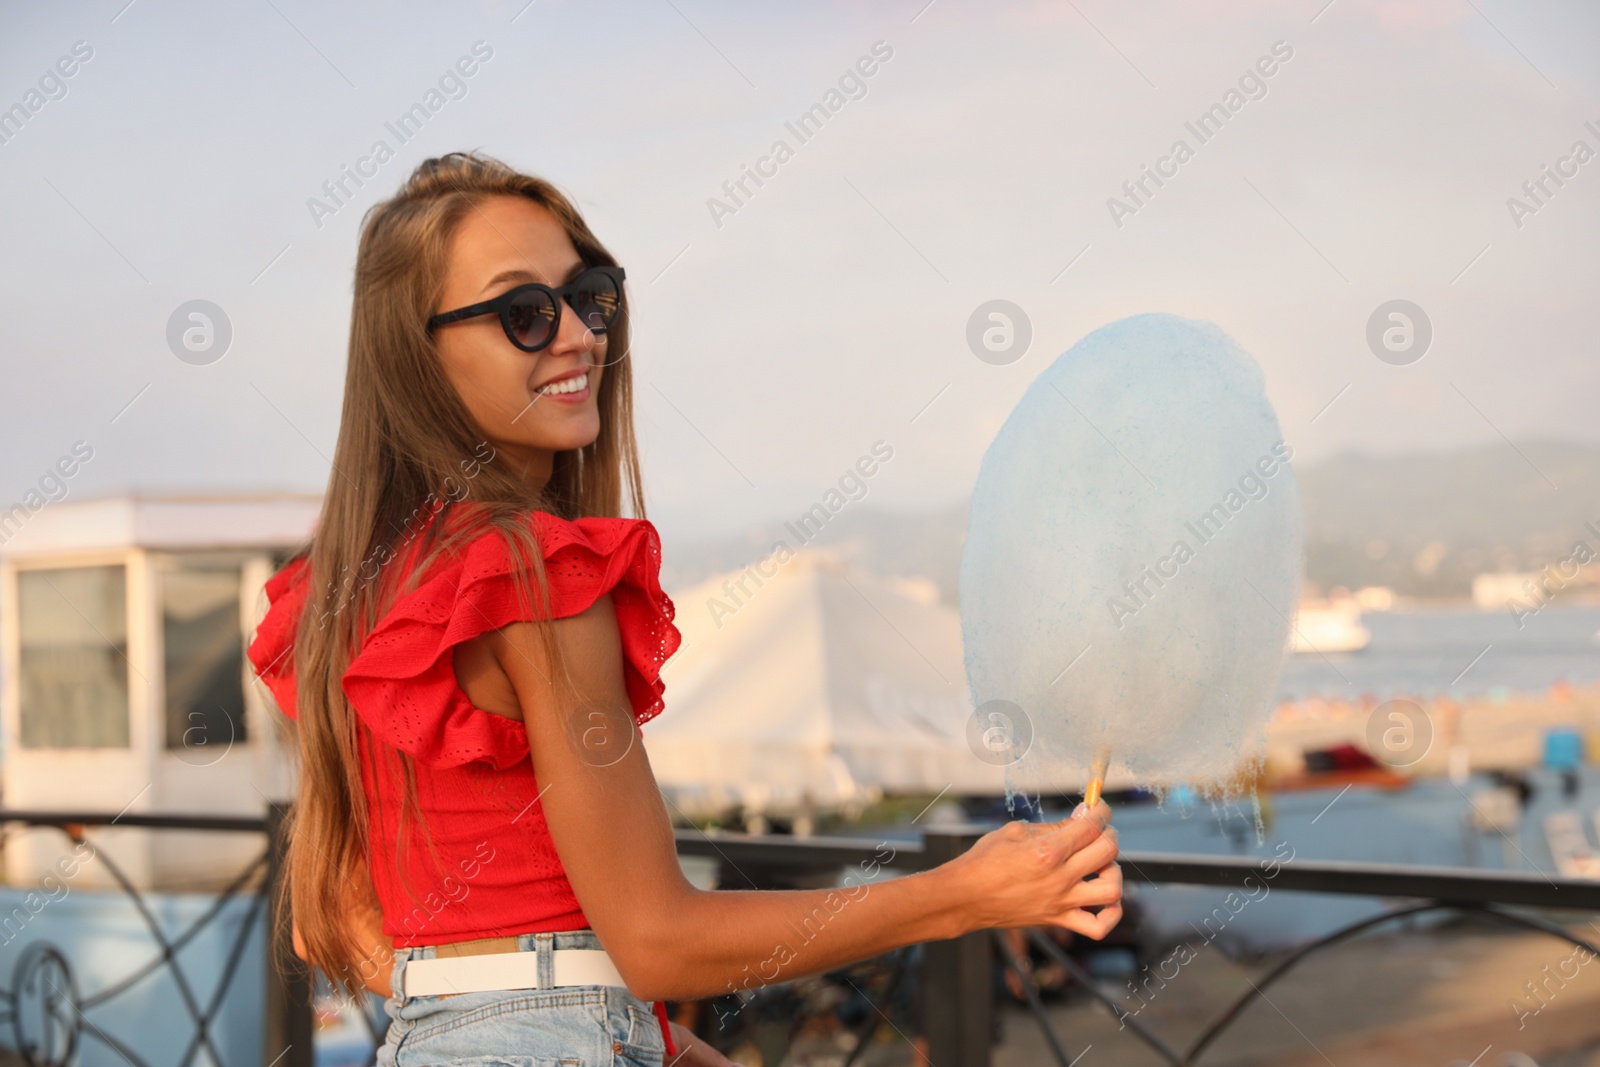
(520, 275)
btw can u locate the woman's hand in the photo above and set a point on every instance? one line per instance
(693, 1050)
(1038, 874)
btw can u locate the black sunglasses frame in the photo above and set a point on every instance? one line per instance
(501, 306)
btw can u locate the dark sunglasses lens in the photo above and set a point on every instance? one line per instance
(596, 299)
(531, 315)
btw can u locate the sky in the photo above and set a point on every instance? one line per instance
(780, 336)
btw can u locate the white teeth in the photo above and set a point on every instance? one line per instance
(567, 385)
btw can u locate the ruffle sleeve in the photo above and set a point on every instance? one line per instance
(402, 682)
(271, 651)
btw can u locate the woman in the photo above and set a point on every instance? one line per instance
(468, 644)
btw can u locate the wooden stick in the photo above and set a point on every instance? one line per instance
(1097, 776)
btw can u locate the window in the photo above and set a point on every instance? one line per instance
(204, 652)
(72, 624)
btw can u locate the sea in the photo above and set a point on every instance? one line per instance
(1460, 652)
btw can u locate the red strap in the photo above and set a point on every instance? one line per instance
(666, 1034)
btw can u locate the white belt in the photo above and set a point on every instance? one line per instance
(507, 970)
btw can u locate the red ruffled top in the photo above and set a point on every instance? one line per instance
(498, 873)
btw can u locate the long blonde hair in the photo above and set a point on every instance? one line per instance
(408, 451)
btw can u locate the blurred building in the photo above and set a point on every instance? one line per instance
(125, 621)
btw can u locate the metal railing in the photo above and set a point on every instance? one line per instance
(955, 990)
(43, 986)
(957, 997)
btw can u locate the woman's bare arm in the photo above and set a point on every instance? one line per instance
(673, 941)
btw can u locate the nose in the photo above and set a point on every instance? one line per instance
(573, 335)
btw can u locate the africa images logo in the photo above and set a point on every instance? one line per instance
(451, 85)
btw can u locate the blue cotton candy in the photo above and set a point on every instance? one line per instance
(1136, 518)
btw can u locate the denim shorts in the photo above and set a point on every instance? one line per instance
(568, 1026)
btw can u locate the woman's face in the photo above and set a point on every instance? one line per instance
(504, 242)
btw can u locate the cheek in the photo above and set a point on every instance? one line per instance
(491, 386)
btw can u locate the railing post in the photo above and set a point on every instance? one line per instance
(288, 982)
(958, 976)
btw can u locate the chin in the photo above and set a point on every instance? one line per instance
(572, 437)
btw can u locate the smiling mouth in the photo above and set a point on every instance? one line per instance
(578, 383)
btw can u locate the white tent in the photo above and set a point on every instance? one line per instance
(805, 686)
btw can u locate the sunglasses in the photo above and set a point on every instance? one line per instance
(531, 314)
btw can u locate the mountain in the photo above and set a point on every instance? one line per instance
(1427, 523)
(1423, 523)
